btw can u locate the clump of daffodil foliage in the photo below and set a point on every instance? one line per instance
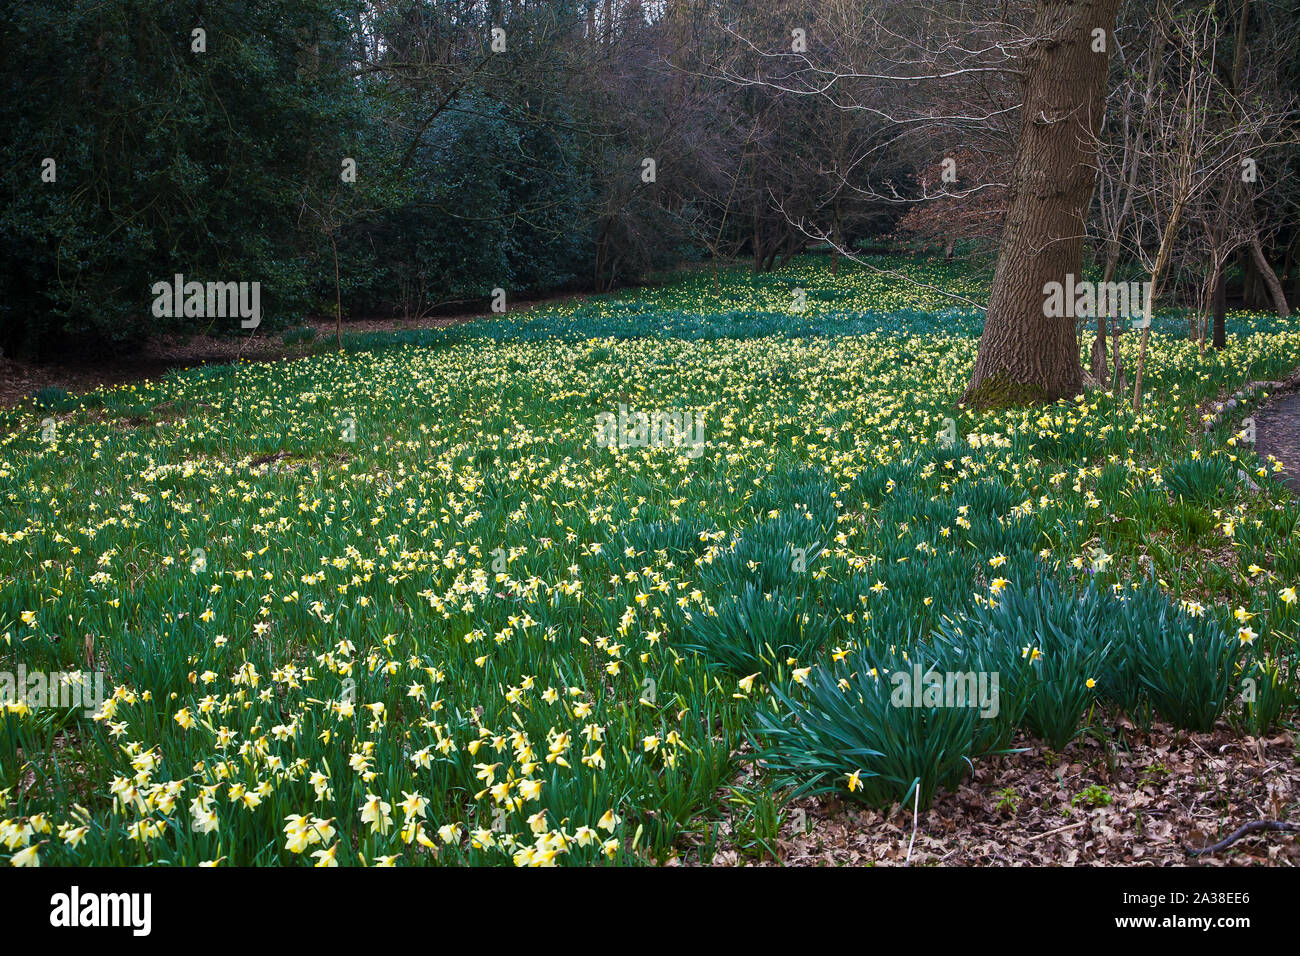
(398, 605)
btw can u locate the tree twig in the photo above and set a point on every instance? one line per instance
(1254, 827)
(1068, 826)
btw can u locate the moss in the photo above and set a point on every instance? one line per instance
(999, 391)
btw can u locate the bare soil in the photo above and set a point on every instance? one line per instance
(1141, 798)
(1277, 433)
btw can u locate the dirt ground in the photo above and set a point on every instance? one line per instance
(1277, 433)
(1140, 799)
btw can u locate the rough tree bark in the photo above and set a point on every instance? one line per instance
(1219, 337)
(1269, 278)
(1024, 356)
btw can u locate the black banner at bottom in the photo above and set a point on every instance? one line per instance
(169, 906)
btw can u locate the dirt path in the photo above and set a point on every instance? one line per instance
(1277, 433)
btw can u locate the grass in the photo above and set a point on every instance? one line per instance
(394, 604)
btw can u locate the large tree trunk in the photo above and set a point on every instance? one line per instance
(1269, 278)
(1023, 355)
